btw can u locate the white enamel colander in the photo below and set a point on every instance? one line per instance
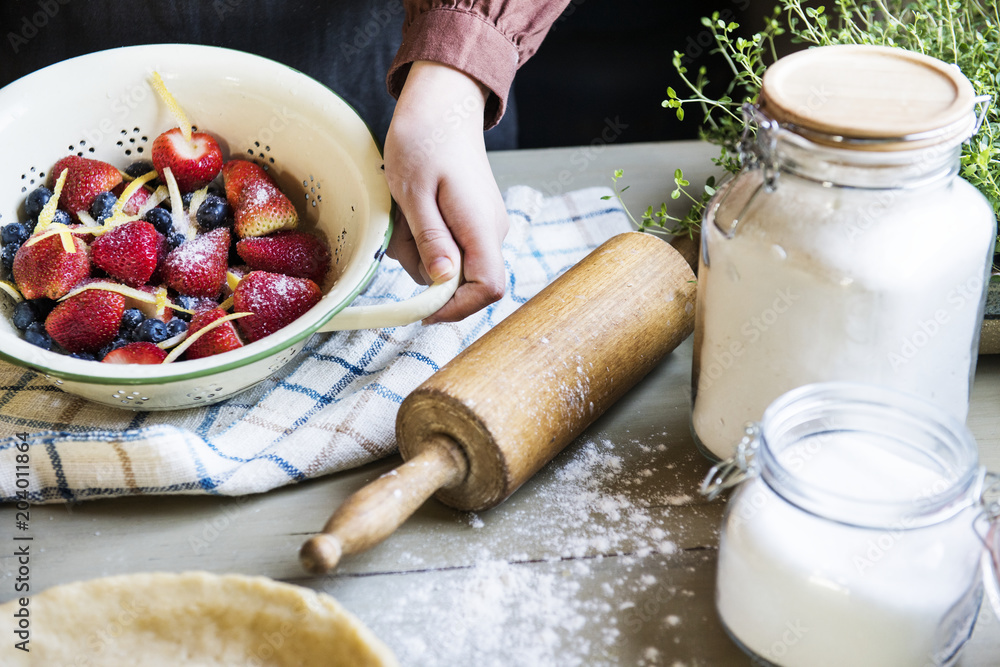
(321, 153)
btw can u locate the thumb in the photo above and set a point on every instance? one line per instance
(435, 244)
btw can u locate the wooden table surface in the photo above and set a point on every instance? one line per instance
(606, 557)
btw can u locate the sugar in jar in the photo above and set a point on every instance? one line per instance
(849, 247)
(852, 536)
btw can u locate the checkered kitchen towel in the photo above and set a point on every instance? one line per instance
(333, 408)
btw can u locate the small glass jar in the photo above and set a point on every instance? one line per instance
(856, 534)
(848, 248)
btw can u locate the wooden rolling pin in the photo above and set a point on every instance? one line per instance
(481, 426)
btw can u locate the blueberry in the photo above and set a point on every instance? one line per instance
(186, 198)
(103, 204)
(188, 303)
(35, 200)
(176, 327)
(175, 240)
(214, 212)
(86, 356)
(24, 315)
(36, 335)
(132, 318)
(15, 233)
(43, 307)
(151, 330)
(139, 168)
(61, 217)
(161, 219)
(7, 256)
(113, 345)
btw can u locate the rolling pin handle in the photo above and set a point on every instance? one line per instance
(375, 511)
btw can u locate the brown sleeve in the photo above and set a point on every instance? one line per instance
(487, 39)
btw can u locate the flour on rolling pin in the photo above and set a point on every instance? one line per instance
(489, 419)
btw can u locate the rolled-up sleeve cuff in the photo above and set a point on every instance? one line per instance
(466, 42)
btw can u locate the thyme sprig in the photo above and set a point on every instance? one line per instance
(963, 32)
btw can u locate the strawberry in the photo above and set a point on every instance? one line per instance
(161, 257)
(258, 205)
(129, 252)
(84, 232)
(136, 353)
(198, 267)
(220, 339)
(292, 253)
(87, 321)
(135, 202)
(275, 301)
(46, 269)
(87, 178)
(194, 163)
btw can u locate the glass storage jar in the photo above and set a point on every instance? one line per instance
(848, 247)
(852, 538)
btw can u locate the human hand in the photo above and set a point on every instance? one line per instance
(450, 211)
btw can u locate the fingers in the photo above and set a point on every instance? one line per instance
(479, 224)
(437, 248)
(403, 249)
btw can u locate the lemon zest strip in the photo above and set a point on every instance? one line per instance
(11, 290)
(49, 210)
(190, 340)
(118, 212)
(172, 105)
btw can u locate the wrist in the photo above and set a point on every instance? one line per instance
(448, 93)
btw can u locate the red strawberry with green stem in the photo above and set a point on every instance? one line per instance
(129, 252)
(195, 162)
(275, 300)
(86, 321)
(198, 267)
(45, 269)
(86, 179)
(136, 353)
(222, 338)
(292, 253)
(259, 207)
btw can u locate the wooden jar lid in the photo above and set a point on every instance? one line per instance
(871, 97)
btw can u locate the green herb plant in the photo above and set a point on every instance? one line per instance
(963, 32)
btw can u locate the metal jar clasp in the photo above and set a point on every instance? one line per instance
(729, 473)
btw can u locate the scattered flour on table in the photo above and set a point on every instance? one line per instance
(506, 610)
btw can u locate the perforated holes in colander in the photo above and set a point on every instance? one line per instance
(264, 160)
(31, 179)
(311, 186)
(199, 394)
(283, 359)
(132, 141)
(133, 398)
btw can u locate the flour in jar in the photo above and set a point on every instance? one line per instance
(812, 288)
(793, 587)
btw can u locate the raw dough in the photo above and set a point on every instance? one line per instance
(195, 618)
